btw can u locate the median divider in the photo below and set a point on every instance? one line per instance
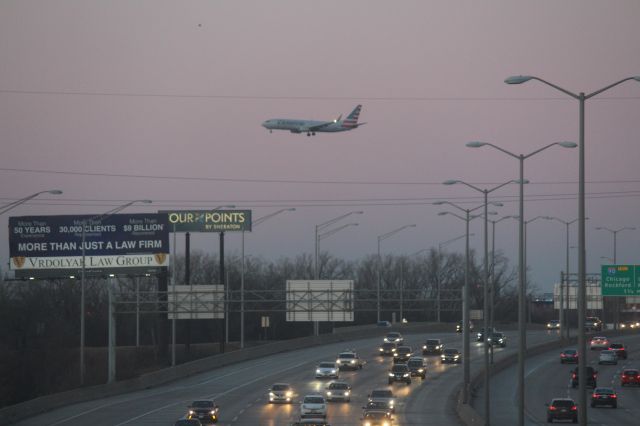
(47, 403)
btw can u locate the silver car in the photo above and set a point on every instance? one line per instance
(608, 357)
(327, 370)
(338, 391)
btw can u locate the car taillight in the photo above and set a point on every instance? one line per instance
(552, 408)
(595, 395)
(574, 408)
(573, 375)
(614, 396)
(624, 376)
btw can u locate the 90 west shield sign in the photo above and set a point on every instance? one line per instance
(620, 280)
(208, 220)
(52, 245)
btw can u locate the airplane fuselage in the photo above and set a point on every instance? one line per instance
(300, 126)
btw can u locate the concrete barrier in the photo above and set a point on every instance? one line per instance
(46, 403)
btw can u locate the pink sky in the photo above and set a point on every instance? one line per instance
(180, 89)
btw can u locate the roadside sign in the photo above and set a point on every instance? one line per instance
(620, 280)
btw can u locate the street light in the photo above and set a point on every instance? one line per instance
(255, 223)
(582, 254)
(83, 223)
(381, 238)
(615, 259)
(564, 316)
(316, 270)
(440, 245)
(12, 205)
(521, 269)
(465, 297)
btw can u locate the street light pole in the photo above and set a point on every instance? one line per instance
(582, 253)
(521, 266)
(381, 238)
(12, 205)
(242, 266)
(316, 271)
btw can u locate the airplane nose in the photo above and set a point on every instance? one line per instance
(265, 124)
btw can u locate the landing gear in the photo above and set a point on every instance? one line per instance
(308, 134)
(270, 131)
(313, 133)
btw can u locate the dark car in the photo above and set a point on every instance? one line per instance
(378, 406)
(459, 327)
(185, 422)
(417, 367)
(619, 349)
(569, 355)
(432, 346)
(387, 349)
(394, 337)
(562, 409)
(310, 422)
(481, 333)
(451, 355)
(376, 418)
(400, 373)
(402, 354)
(497, 339)
(593, 324)
(604, 396)
(630, 376)
(204, 410)
(592, 377)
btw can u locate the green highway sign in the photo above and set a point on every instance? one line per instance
(620, 280)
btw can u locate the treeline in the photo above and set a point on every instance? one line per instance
(40, 320)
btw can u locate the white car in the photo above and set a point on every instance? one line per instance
(313, 406)
(338, 391)
(328, 370)
(599, 342)
(394, 337)
(280, 392)
(608, 357)
(349, 360)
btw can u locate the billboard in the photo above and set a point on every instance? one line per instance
(48, 246)
(208, 220)
(593, 293)
(196, 302)
(319, 300)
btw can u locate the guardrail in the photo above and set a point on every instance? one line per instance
(47, 403)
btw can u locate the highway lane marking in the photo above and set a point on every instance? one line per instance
(215, 396)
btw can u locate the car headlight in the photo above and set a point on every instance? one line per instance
(333, 371)
(212, 412)
(318, 371)
(337, 361)
(457, 356)
(623, 325)
(420, 370)
(405, 375)
(271, 394)
(346, 393)
(385, 424)
(479, 334)
(328, 393)
(353, 361)
(391, 402)
(390, 374)
(500, 340)
(386, 340)
(380, 349)
(443, 356)
(367, 424)
(191, 412)
(289, 393)
(424, 347)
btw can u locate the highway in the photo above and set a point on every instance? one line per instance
(241, 390)
(546, 378)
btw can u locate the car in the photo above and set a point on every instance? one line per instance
(608, 357)
(349, 360)
(497, 339)
(376, 418)
(205, 410)
(592, 377)
(599, 342)
(553, 325)
(569, 355)
(480, 334)
(417, 367)
(280, 392)
(383, 395)
(394, 337)
(327, 370)
(450, 355)
(310, 422)
(338, 391)
(604, 396)
(619, 349)
(383, 324)
(630, 376)
(562, 409)
(387, 349)
(402, 354)
(432, 346)
(593, 324)
(630, 325)
(400, 373)
(377, 406)
(459, 327)
(186, 422)
(313, 406)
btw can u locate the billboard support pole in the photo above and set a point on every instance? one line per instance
(222, 281)
(175, 301)
(187, 281)
(111, 374)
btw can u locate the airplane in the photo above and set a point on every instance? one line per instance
(310, 127)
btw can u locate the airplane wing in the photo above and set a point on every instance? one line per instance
(316, 127)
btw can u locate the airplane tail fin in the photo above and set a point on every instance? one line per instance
(352, 119)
